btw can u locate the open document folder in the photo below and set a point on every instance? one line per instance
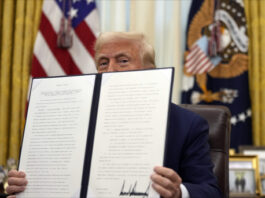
(97, 135)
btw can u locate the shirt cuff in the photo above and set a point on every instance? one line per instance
(184, 192)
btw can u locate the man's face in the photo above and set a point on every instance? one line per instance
(119, 55)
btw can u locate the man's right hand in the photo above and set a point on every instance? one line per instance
(16, 182)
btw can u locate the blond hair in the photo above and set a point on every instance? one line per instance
(147, 52)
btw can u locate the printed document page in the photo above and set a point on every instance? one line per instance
(130, 133)
(55, 136)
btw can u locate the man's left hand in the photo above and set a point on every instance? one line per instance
(166, 182)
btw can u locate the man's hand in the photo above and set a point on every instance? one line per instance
(16, 182)
(166, 182)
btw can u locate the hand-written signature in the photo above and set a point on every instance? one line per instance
(132, 190)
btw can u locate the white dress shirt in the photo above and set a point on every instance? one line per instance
(184, 192)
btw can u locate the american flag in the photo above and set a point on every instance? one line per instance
(198, 60)
(51, 60)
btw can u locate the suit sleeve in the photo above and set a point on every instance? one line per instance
(196, 166)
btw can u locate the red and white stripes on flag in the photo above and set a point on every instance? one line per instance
(48, 58)
(197, 61)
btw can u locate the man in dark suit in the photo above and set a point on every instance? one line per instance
(188, 168)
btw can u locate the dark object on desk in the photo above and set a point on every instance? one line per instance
(3, 195)
(218, 118)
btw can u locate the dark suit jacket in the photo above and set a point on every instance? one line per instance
(187, 152)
